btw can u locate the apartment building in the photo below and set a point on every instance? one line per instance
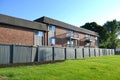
(44, 31)
(66, 35)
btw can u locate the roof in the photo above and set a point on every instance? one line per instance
(22, 23)
(65, 25)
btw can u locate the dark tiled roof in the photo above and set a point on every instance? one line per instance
(65, 25)
(22, 23)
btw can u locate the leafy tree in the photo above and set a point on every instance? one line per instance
(113, 30)
(118, 33)
(93, 26)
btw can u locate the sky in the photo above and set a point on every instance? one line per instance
(75, 12)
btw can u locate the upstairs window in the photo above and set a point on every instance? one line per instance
(70, 32)
(52, 28)
(87, 36)
(38, 33)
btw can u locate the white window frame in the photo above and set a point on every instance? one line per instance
(52, 28)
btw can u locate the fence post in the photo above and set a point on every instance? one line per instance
(94, 52)
(11, 53)
(75, 53)
(99, 52)
(83, 52)
(89, 53)
(65, 53)
(53, 54)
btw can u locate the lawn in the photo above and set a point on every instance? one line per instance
(96, 68)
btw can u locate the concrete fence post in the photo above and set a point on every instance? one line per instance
(11, 53)
(89, 53)
(65, 53)
(94, 52)
(83, 52)
(53, 54)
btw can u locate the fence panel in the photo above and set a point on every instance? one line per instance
(22, 54)
(110, 51)
(86, 53)
(101, 52)
(79, 53)
(59, 53)
(92, 53)
(70, 53)
(45, 53)
(107, 51)
(96, 51)
(113, 52)
(117, 51)
(5, 54)
(34, 54)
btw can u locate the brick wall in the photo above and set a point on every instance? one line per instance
(93, 43)
(60, 36)
(16, 35)
(61, 39)
(82, 40)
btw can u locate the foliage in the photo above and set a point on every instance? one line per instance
(108, 33)
(93, 26)
(97, 68)
(112, 28)
(118, 43)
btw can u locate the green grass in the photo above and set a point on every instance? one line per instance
(97, 68)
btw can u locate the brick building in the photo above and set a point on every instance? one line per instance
(18, 31)
(44, 31)
(66, 35)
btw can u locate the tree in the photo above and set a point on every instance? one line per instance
(113, 30)
(118, 33)
(93, 26)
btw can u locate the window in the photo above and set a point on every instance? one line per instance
(96, 41)
(87, 45)
(38, 33)
(70, 31)
(38, 38)
(52, 28)
(52, 40)
(87, 36)
(70, 43)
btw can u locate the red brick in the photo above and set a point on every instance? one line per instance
(16, 35)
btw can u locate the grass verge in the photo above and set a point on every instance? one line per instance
(96, 68)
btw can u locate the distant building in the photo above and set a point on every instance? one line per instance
(44, 32)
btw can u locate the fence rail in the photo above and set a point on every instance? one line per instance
(10, 54)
